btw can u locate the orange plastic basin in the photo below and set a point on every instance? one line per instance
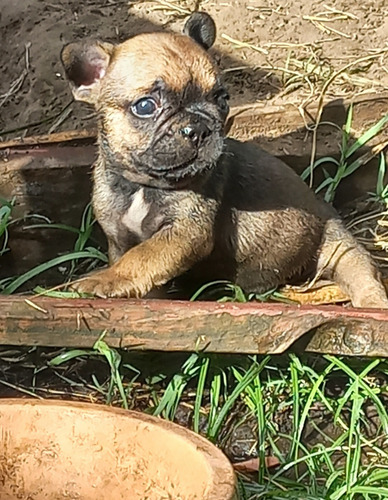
(53, 450)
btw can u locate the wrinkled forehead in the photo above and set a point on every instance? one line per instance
(174, 59)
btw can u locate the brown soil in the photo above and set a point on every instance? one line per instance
(292, 48)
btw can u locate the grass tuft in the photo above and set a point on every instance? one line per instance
(89, 255)
(345, 166)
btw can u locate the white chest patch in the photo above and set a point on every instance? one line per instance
(136, 213)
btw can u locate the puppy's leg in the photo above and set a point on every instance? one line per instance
(114, 252)
(167, 254)
(349, 264)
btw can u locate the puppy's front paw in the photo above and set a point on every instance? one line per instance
(108, 283)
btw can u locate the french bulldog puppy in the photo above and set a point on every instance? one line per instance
(175, 197)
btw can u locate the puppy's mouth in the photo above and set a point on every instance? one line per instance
(184, 169)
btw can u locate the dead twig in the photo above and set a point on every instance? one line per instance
(244, 45)
(20, 389)
(16, 85)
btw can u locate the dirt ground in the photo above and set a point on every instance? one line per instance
(269, 51)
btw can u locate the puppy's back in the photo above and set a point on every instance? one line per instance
(258, 181)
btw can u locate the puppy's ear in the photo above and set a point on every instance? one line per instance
(85, 65)
(201, 28)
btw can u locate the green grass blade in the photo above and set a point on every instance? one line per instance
(324, 184)
(382, 411)
(255, 401)
(350, 169)
(203, 371)
(294, 366)
(60, 295)
(380, 491)
(215, 395)
(5, 212)
(20, 280)
(261, 428)
(354, 449)
(381, 189)
(239, 295)
(86, 228)
(249, 376)
(5, 218)
(367, 136)
(327, 159)
(346, 397)
(170, 400)
(303, 459)
(49, 225)
(346, 131)
(311, 396)
(376, 476)
(114, 360)
(69, 355)
(205, 287)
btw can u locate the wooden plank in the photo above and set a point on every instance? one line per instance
(54, 138)
(252, 117)
(273, 126)
(189, 326)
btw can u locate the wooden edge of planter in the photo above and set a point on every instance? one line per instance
(56, 137)
(192, 326)
(249, 111)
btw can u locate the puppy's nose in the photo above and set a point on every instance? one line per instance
(196, 132)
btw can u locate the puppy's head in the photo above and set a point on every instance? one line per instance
(160, 103)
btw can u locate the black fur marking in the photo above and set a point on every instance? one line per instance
(201, 28)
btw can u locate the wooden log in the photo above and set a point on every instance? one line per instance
(55, 138)
(248, 121)
(281, 130)
(190, 326)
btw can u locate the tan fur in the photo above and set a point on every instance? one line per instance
(349, 264)
(153, 262)
(175, 59)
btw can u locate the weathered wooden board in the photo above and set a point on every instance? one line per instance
(190, 326)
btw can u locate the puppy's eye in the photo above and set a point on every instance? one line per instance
(145, 107)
